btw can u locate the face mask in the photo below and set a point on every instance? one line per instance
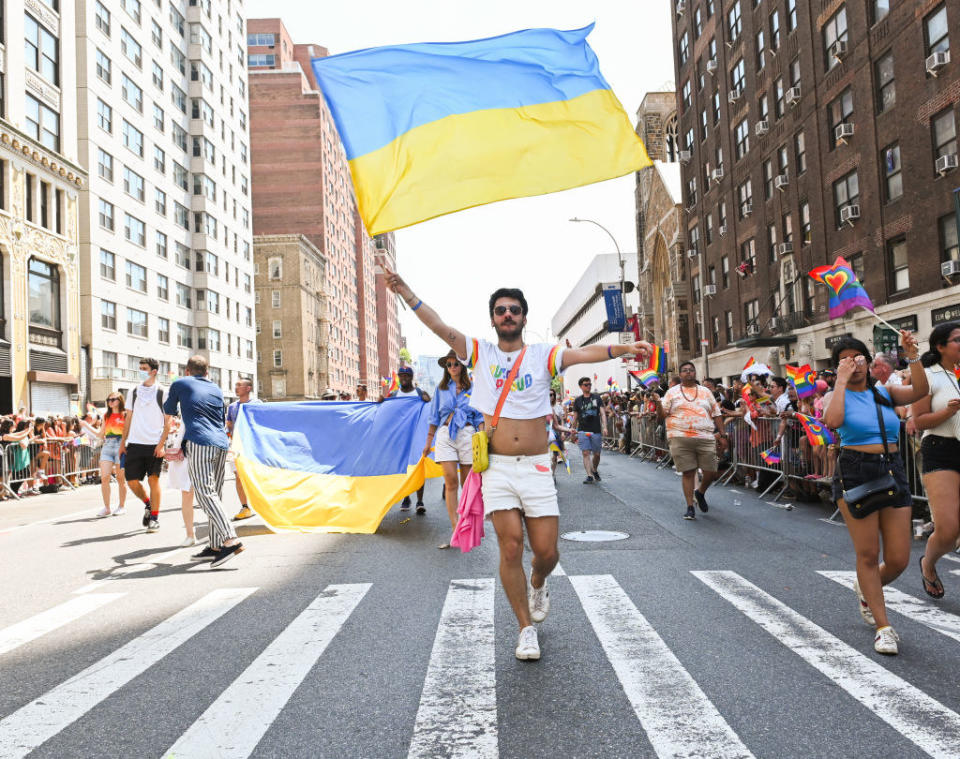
(144, 375)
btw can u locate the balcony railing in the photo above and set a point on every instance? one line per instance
(116, 372)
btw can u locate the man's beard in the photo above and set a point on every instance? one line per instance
(508, 331)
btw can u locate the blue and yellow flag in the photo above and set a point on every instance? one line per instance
(329, 466)
(434, 128)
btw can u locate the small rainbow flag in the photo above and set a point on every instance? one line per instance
(803, 379)
(749, 363)
(394, 383)
(817, 434)
(846, 291)
(648, 378)
(770, 455)
(658, 360)
(554, 448)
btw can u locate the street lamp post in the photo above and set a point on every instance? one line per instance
(615, 245)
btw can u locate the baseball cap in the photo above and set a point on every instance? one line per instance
(405, 370)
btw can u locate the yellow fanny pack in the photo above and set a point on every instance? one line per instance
(481, 439)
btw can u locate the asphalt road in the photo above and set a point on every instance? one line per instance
(715, 638)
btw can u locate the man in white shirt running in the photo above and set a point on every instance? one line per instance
(518, 486)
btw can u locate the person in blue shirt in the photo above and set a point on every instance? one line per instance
(205, 445)
(452, 424)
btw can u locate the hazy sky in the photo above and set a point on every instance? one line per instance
(456, 261)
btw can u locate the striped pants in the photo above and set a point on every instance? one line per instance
(207, 464)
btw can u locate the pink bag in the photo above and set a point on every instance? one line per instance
(469, 530)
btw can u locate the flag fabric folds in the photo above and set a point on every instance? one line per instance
(846, 292)
(770, 456)
(658, 360)
(817, 434)
(434, 128)
(803, 379)
(648, 377)
(331, 466)
(749, 363)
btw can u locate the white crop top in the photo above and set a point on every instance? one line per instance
(530, 396)
(943, 388)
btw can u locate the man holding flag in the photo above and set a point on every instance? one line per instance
(518, 488)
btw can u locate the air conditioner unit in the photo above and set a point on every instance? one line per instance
(781, 181)
(937, 61)
(685, 156)
(753, 330)
(747, 209)
(849, 213)
(946, 163)
(712, 66)
(784, 248)
(716, 175)
(691, 252)
(775, 324)
(842, 133)
(761, 128)
(838, 49)
(793, 95)
(734, 95)
(723, 229)
(950, 268)
(709, 290)
(681, 7)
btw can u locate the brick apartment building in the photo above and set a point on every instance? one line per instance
(301, 185)
(811, 129)
(388, 322)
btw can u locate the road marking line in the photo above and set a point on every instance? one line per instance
(41, 719)
(235, 723)
(558, 571)
(457, 716)
(951, 557)
(47, 621)
(910, 711)
(919, 611)
(676, 714)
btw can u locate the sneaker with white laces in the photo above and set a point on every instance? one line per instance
(539, 602)
(864, 606)
(886, 641)
(528, 648)
(104, 512)
(120, 511)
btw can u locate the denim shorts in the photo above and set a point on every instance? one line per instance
(940, 454)
(590, 442)
(857, 468)
(111, 449)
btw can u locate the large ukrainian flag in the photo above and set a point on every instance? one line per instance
(434, 128)
(331, 467)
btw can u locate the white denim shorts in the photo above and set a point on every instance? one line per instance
(520, 482)
(460, 449)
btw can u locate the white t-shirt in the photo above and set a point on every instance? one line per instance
(783, 400)
(402, 393)
(943, 388)
(529, 397)
(146, 427)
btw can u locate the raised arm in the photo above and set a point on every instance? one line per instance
(452, 337)
(593, 354)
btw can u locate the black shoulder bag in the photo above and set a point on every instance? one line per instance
(876, 494)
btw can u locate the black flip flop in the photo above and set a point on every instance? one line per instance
(935, 583)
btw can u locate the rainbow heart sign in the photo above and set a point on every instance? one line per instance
(846, 292)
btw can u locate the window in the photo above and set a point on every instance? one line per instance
(132, 184)
(839, 112)
(108, 315)
(751, 311)
(184, 297)
(787, 221)
(277, 329)
(686, 94)
(775, 30)
(156, 34)
(806, 232)
(131, 93)
(708, 228)
(691, 191)
(738, 76)
(179, 135)
(899, 271)
(43, 284)
(800, 152)
(949, 251)
(178, 97)
(886, 85)
(880, 9)
(728, 327)
(791, 15)
(104, 116)
(42, 123)
(834, 31)
(695, 286)
(809, 296)
(177, 21)
(161, 245)
(131, 48)
(716, 107)
(748, 253)
(104, 165)
(772, 243)
(734, 22)
(259, 60)
(213, 302)
(763, 107)
(275, 299)
(181, 215)
(160, 202)
(204, 185)
(783, 161)
(136, 322)
(102, 19)
(722, 214)
(745, 199)
(157, 76)
(180, 176)
(935, 31)
(275, 268)
(104, 67)
(761, 49)
(41, 50)
(213, 342)
(132, 7)
(742, 136)
(182, 255)
(106, 215)
(944, 130)
(795, 72)
(159, 160)
(846, 192)
(890, 159)
(108, 265)
(132, 138)
(184, 336)
(278, 357)
(163, 330)
(697, 22)
(136, 277)
(779, 103)
(135, 230)
(725, 271)
(768, 179)
(261, 40)
(159, 121)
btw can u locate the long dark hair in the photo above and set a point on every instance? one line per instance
(851, 343)
(462, 384)
(939, 336)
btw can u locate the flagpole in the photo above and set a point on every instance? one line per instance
(884, 321)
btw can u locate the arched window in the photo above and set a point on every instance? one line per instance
(671, 141)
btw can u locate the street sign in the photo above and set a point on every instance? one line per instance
(613, 299)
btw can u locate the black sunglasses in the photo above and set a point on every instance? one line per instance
(501, 310)
(585, 384)
(451, 364)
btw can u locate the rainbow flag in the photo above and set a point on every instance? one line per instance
(770, 455)
(648, 378)
(394, 383)
(554, 448)
(658, 360)
(817, 434)
(846, 292)
(434, 128)
(803, 379)
(749, 363)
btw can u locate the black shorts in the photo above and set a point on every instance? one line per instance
(940, 454)
(140, 462)
(857, 468)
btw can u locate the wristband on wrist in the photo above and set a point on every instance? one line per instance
(419, 303)
(913, 360)
(609, 351)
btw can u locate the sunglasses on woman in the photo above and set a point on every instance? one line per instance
(451, 364)
(501, 310)
(111, 400)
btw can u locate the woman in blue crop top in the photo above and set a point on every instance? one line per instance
(853, 412)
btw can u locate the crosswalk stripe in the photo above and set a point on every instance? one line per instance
(676, 714)
(41, 719)
(907, 605)
(910, 711)
(47, 621)
(235, 723)
(457, 716)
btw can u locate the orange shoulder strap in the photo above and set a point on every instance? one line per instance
(511, 376)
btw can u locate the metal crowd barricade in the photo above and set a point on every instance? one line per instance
(80, 461)
(609, 431)
(25, 464)
(650, 441)
(746, 445)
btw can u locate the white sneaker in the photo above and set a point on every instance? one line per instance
(539, 602)
(864, 606)
(528, 649)
(120, 511)
(188, 542)
(885, 642)
(104, 512)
